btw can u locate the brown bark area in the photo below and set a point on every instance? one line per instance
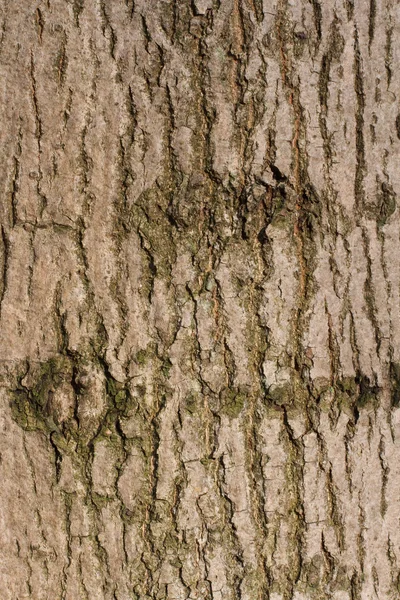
(199, 300)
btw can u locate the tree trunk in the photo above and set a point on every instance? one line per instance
(200, 296)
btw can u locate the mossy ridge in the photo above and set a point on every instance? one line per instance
(233, 401)
(30, 410)
(193, 403)
(355, 393)
(317, 576)
(31, 405)
(100, 500)
(281, 395)
(293, 394)
(349, 394)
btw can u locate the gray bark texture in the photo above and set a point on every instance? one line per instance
(200, 300)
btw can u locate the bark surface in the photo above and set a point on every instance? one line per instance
(199, 300)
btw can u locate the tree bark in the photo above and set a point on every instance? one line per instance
(199, 300)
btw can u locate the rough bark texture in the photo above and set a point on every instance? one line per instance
(200, 296)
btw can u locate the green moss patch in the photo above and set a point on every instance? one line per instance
(233, 402)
